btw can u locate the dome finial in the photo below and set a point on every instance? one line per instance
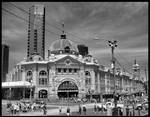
(135, 61)
(63, 36)
(63, 25)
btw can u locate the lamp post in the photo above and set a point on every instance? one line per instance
(31, 90)
(113, 45)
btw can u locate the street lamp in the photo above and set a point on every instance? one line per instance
(113, 45)
(31, 90)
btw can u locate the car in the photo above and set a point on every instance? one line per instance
(35, 106)
(138, 106)
(100, 106)
(84, 100)
(145, 106)
(109, 105)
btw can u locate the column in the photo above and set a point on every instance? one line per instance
(23, 75)
(23, 93)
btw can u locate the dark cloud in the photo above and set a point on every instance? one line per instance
(126, 22)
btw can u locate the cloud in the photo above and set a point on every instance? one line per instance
(126, 22)
(13, 34)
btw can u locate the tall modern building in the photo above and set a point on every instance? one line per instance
(36, 31)
(5, 62)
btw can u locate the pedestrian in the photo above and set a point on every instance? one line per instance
(121, 112)
(44, 109)
(98, 108)
(84, 109)
(127, 111)
(12, 109)
(133, 111)
(95, 108)
(20, 106)
(130, 112)
(139, 114)
(102, 108)
(15, 108)
(80, 110)
(68, 111)
(60, 109)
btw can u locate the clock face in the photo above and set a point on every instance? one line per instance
(68, 62)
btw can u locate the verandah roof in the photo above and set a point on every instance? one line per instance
(16, 84)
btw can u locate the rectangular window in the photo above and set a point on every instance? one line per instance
(59, 70)
(43, 81)
(75, 70)
(65, 70)
(70, 70)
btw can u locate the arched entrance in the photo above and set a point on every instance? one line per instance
(43, 94)
(67, 89)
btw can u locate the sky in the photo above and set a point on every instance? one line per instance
(89, 23)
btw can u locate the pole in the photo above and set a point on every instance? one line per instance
(113, 45)
(31, 91)
(113, 62)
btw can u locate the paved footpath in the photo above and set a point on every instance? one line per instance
(55, 111)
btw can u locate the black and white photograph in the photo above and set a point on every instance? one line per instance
(74, 59)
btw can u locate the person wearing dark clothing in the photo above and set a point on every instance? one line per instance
(44, 109)
(127, 111)
(80, 109)
(139, 112)
(119, 111)
(98, 108)
(95, 108)
(60, 109)
(68, 111)
(84, 109)
(133, 111)
(12, 109)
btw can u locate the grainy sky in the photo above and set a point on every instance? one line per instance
(126, 22)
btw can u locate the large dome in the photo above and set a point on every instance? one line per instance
(61, 44)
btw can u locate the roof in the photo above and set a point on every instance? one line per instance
(61, 44)
(16, 84)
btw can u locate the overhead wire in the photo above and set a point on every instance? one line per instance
(23, 19)
(128, 63)
(48, 23)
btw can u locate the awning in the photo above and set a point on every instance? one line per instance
(16, 84)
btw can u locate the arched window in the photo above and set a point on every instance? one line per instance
(67, 49)
(42, 73)
(43, 94)
(29, 73)
(87, 73)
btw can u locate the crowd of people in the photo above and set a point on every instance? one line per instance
(129, 108)
(16, 107)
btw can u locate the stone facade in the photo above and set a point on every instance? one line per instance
(61, 66)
